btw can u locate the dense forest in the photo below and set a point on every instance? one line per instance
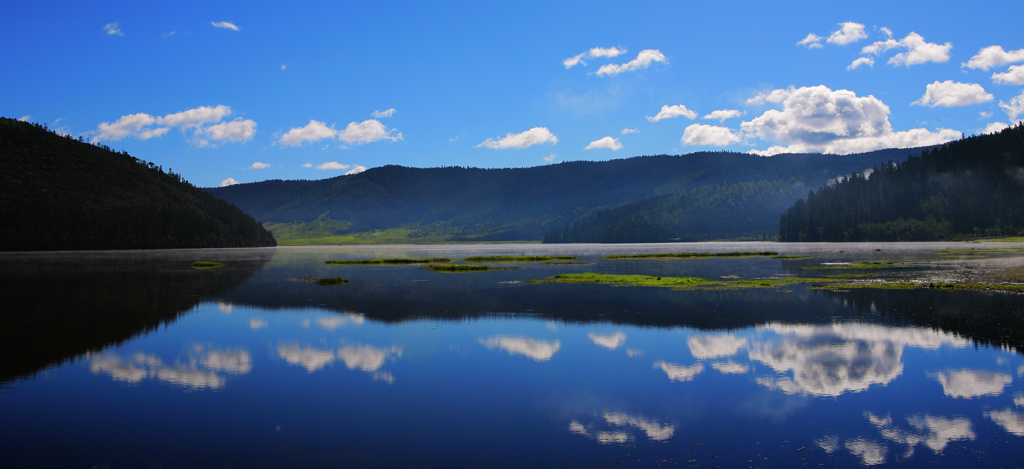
(970, 188)
(524, 204)
(59, 193)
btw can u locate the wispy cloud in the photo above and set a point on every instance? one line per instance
(643, 60)
(112, 29)
(383, 114)
(593, 53)
(224, 25)
(534, 136)
(812, 41)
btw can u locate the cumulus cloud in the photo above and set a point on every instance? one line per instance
(723, 114)
(849, 32)
(812, 41)
(966, 384)
(312, 359)
(238, 130)
(704, 347)
(730, 367)
(679, 372)
(25, 118)
(668, 112)
(861, 61)
(593, 53)
(228, 182)
(204, 122)
(534, 136)
(368, 131)
(918, 51)
(701, 134)
(1015, 107)
(994, 56)
(1013, 76)
(994, 127)
(818, 119)
(773, 96)
(112, 29)
(610, 341)
(258, 165)
(383, 114)
(311, 132)
(869, 452)
(604, 142)
(643, 60)
(949, 94)
(123, 127)
(196, 116)
(932, 431)
(1011, 421)
(355, 170)
(224, 25)
(538, 350)
(332, 165)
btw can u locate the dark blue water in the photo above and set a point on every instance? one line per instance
(136, 360)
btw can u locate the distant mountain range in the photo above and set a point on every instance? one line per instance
(58, 193)
(970, 188)
(699, 196)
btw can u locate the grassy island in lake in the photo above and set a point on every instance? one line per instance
(206, 265)
(693, 255)
(518, 258)
(327, 282)
(392, 261)
(461, 268)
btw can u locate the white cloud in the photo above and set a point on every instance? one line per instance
(861, 61)
(1015, 107)
(849, 32)
(196, 116)
(730, 367)
(257, 324)
(312, 359)
(1011, 421)
(534, 136)
(112, 30)
(704, 347)
(332, 165)
(368, 131)
(870, 453)
(228, 182)
(367, 358)
(258, 165)
(383, 114)
(313, 131)
(668, 112)
(886, 31)
(610, 341)
(654, 430)
(918, 51)
(701, 134)
(994, 127)
(1013, 76)
(538, 350)
(773, 96)
(966, 384)
(550, 158)
(25, 118)
(812, 41)
(123, 127)
(643, 60)
(604, 142)
(629, 131)
(593, 53)
(307, 165)
(993, 56)
(818, 119)
(679, 372)
(231, 361)
(238, 130)
(723, 114)
(224, 25)
(949, 93)
(355, 170)
(932, 431)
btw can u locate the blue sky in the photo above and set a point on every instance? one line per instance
(248, 91)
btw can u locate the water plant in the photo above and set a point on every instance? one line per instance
(392, 261)
(203, 265)
(327, 282)
(694, 255)
(522, 258)
(461, 268)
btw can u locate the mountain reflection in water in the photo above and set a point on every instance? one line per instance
(410, 368)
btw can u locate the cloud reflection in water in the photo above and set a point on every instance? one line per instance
(538, 350)
(200, 371)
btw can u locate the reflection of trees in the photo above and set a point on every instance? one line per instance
(58, 307)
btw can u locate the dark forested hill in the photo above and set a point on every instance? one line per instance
(57, 193)
(968, 188)
(471, 204)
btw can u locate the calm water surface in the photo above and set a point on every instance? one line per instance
(133, 359)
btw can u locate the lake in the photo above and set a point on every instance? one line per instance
(135, 359)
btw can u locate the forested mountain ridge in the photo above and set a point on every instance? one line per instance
(969, 188)
(58, 193)
(522, 204)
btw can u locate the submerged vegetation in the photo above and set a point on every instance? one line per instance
(461, 268)
(860, 265)
(675, 283)
(694, 255)
(206, 265)
(327, 282)
(392, 261)
(523, 258)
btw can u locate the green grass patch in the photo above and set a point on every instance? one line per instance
(1012, 239)
(693, 255)
(518, 258)
(790, 257)
(327, 282)
(392, 261)
(203, 265)
(978, 251)
(462, 268)
(675, 283)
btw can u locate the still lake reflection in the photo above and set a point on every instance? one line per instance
(128, 359)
